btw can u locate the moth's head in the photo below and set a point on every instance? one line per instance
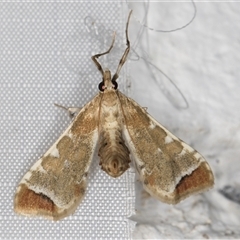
(115, 166)
(108, 82)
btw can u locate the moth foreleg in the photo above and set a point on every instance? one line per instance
(72, 111)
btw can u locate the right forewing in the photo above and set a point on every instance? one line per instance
(169, 169)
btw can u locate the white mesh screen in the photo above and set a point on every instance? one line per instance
(45, 58)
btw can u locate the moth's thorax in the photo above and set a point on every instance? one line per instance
(113, 153)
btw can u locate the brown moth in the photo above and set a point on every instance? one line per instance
(169, 169)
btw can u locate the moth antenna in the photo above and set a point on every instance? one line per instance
(125, 54)
(94, 57)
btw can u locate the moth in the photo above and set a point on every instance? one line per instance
(169, 169)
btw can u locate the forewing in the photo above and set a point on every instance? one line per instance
(56, 183)
(169, 168)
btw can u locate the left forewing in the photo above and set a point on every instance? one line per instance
(169, 168)
(56, 183)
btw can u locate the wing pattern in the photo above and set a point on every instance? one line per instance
(169, 168)
(56, 183)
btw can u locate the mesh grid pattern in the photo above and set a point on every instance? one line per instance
(45, 58)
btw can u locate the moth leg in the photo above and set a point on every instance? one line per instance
(72, 111)
(94, 57)
(125, 54)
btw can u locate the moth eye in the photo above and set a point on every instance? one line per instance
(101, 86)
(115, 84)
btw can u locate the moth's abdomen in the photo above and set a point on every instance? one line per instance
(113, 153)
